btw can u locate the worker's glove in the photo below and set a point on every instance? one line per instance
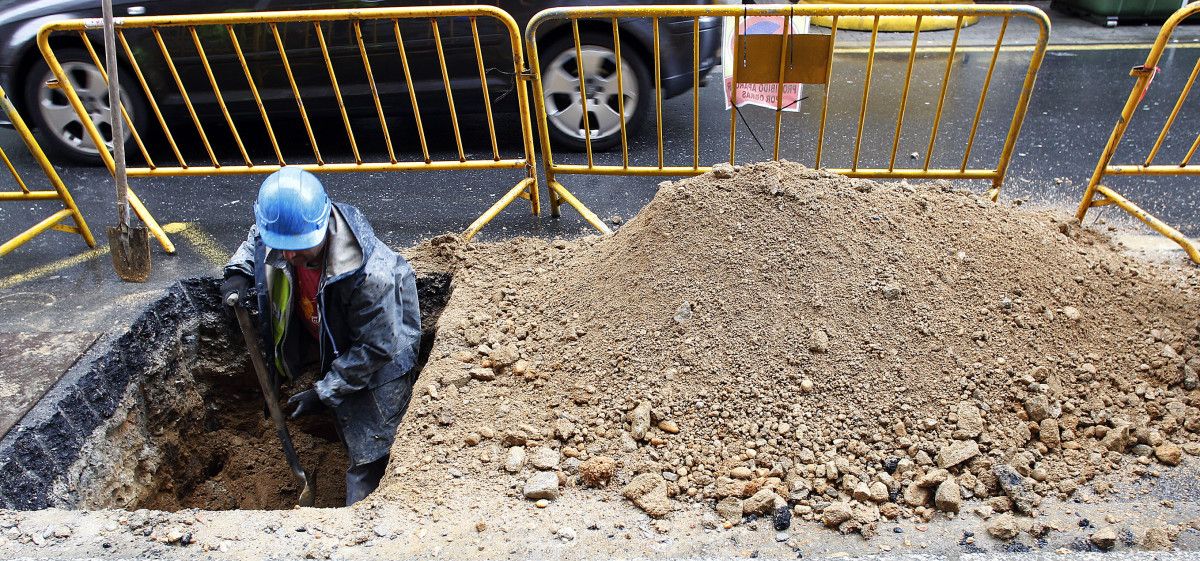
(236, 283)
(306, 402)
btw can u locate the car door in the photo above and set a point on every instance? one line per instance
(387, 67)
(257, 45)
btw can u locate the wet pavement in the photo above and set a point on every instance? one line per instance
(55, 284)
(42, 358)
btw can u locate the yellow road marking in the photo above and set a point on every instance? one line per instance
(51, 268)
(207, 246)
(203, 243)
(1026, 48)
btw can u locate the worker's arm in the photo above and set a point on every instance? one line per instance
(242, 261)
(384, 327)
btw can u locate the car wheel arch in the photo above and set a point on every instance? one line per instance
(640, 39)
(29, 58)
(32, 56)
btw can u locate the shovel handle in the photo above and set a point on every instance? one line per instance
(271, 395)
(115, 119)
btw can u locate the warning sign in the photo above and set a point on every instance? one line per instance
(734, 53)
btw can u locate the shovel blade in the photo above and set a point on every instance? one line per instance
(308, 494)
(130, 248)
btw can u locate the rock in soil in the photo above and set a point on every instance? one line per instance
(640, 421)
(835, 514)
(541, 485)
(948, 497)
(1158, 538)
(597, 471)
(916, 495)
(1104, 538)
(649, 492)
(957, 453)
(1118, 438)
(783, 517)
(1017, 487)
(762, 503)
(544, 458)
(730, 509)
(515, 459)
(1169, 454)
(1004, 527)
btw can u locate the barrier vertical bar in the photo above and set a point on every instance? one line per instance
(912, 57)
(658, 99)
(441, 54)
(237, 138)
(237, 48)
(937, 116)
(862, 111)
(187, 100)
(337, 91)
(783, 49)
(828, 88)
(738, 49)
(621, 96)
(487, 97)
(987, 84)
(287, 68)
(362, 51)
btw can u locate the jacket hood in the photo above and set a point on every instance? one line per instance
(345, 253)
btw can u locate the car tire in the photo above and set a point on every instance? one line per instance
(560, 90)
(60, 130)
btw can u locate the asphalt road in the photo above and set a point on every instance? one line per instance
(53, 284)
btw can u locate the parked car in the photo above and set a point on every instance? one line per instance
(24, 73)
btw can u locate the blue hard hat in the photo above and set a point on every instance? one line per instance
(292, 211)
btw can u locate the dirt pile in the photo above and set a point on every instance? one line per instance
(777, 341)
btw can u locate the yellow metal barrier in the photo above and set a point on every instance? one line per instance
(608, 18)
(291, 40)
(60, 192)
(892, 23)
(1144, 74)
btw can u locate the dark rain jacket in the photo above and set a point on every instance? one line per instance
(370, 328)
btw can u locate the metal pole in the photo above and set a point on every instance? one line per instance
(114, 107)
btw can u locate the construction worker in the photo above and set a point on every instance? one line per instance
(331, 294)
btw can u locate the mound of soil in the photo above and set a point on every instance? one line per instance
(776, 340)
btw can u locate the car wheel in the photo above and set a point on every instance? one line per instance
(61, 130)
(560, 89)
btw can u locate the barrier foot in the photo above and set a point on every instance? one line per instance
(148, 219)
(81, 226)
(512, 195)
(34, 230)
(556, 189)
(532, 194)
(1112, 197)
(993, 194)
(555, 198)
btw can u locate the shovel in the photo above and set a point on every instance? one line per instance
(271, 394)
(130, 246)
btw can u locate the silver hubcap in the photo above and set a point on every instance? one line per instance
(560, 84)
(64, 122)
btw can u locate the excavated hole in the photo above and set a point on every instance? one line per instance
(192, 433)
